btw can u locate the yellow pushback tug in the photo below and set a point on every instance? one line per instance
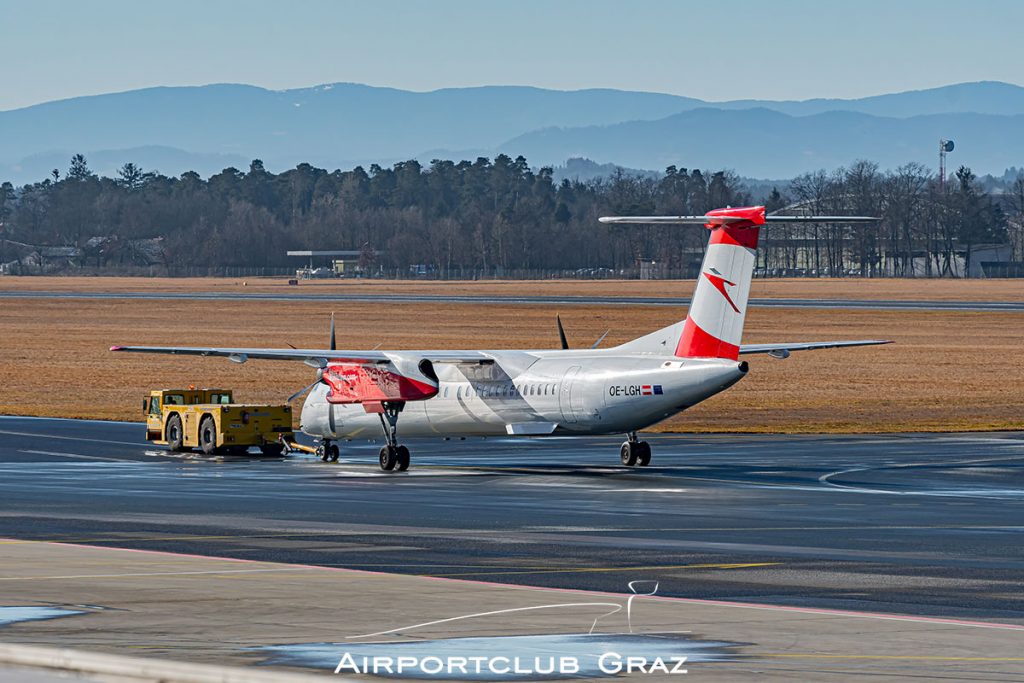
(209, 419)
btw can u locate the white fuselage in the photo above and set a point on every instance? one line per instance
(537, 393)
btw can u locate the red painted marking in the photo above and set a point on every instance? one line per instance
(696, 343)
(646, 390)
(740, 233)
(720, 282)
(660, 598)
(369, 384)
(746, 216)
(736, 237)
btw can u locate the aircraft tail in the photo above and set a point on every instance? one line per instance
(714, 323)
(713, 326)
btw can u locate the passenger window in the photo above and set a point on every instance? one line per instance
(446, 392)
(459, 393)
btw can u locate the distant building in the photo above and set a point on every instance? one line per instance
(327, 264)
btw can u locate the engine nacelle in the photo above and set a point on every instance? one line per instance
(379, 383)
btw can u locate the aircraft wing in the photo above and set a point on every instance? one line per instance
(314, 357)
(808, 346)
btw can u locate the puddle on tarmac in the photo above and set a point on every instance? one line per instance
(14, 615)
(535, 657)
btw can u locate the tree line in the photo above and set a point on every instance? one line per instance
(500, 215)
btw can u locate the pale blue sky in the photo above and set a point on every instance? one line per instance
(775, 49)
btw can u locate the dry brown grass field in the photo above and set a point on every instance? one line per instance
(947, 371)
(938, 290)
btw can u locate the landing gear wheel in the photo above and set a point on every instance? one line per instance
(174, 434)
(403, 459)
(208, 435)
(643, 457)
(332, 453)
(628, 453)
(388, 458)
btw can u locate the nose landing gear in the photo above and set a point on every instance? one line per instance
(327, 451)
(635, 452)
(393, 458)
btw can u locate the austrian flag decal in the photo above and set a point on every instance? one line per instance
(649, 390)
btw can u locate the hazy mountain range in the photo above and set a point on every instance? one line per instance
(206, 128)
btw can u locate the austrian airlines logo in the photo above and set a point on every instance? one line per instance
(715, 278)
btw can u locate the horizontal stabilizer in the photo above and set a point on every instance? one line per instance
(740, 217)
(725, 220)
(808, 346)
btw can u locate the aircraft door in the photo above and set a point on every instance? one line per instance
(570, 399)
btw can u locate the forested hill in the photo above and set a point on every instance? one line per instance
(341, 125)
(486, 216)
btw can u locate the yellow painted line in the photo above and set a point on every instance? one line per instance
(584, 570)
(492, 569)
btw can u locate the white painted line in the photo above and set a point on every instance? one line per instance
(651, 490)
(69, 438)
(77, 456)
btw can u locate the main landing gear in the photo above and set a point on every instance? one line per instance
(634, 452)
(393, 458)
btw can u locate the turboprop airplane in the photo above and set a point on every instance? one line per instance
(619, 390)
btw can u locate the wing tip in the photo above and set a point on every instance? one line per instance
(117, 348)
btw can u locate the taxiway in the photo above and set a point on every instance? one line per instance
(918, 524)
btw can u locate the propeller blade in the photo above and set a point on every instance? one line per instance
(561, 332)
(598, 342)
(334, 342)
(302, 391)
